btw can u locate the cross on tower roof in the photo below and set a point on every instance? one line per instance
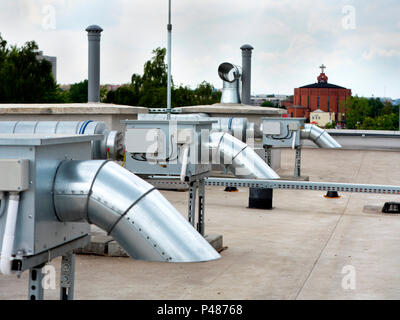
(322, 68)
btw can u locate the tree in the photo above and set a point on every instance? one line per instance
(330, 125)
(268, 104)
(23, 77)
(150, 89)
(357, 109)
(371, 114)
(78, 92)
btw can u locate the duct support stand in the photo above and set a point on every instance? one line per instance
(35, 291)
(197, 190)
(67, 276)
(192, 202)
(201, 212)
(297, 163)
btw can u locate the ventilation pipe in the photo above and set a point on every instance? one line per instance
(129, 209)
(94, 34)
(230, 75)
(239, 158)
(9, 234)
(319, 136)
(246, 73)
(111, 146)
(240, 128)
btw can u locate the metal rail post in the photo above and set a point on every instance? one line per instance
(67, 276)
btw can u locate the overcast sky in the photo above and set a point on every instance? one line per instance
(358, 40)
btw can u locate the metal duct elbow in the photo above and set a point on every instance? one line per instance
(230, 75)
(131, 210)
(240, 159)
(319, 136)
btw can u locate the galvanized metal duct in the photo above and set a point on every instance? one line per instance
(111, 146)
(240, 128)
(131, 210)
(319, 136)
(230, 75)
(239, 158)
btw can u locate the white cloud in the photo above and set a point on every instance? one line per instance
(291, 39)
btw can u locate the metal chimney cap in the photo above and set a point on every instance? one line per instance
(246, 47)
(94, 28)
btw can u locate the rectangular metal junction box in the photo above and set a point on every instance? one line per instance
(37, 227)
(171, 137)
(14, 175)
(280, 132)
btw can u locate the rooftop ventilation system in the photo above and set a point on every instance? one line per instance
(236, 80)
(230, 75)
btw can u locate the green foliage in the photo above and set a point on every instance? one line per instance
(150, 89)
(78, 92)
(330, 125)
(371, 114)
(23, 77)
(268, 104)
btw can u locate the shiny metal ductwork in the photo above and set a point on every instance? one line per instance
(227, 138)
(111, 146)
(239, 158)
(319, 136)
(240, 128)
(230, 75)
(131, 210)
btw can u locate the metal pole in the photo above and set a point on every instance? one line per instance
(94, 33)
(169, 28)
(246, 73)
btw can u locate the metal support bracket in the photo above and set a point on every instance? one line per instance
(35, 291)
(193, 187)
(67, 276)
(303, 185)
(200, 223)
(192, 203)
(268, 156)
(297, 162)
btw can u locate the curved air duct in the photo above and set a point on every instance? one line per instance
(240, 159)
(319, 136)
(131, 210)
(110, 146)
(243, 161)
(230, 75)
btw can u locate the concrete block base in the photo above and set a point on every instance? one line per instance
(103, 245)
(216, 241)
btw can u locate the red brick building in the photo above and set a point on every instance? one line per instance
(320, 95)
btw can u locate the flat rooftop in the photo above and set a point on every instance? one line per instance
(298, 250)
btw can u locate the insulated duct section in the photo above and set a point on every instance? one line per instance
(230, 75)
(131, 210)
(319, 136)
(111, 146)
(239, 158)
(226, 139)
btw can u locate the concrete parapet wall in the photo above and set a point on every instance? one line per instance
(111, 114)
(364, 139)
